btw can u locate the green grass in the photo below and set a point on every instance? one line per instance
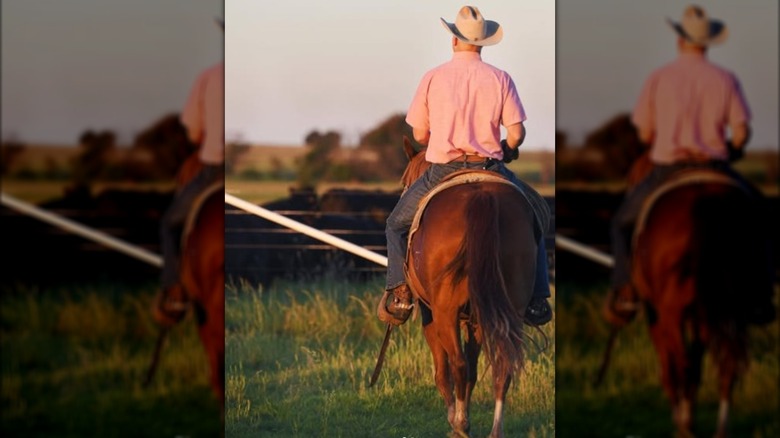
(630, 401)
(74, 359)
(299, 358)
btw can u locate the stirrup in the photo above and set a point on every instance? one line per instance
(399, 309)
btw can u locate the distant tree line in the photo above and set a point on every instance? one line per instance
(379, 155)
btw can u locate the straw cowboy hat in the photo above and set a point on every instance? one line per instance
(697, 28)
(470, 27)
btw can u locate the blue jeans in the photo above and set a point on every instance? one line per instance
(173, 220)
(622, 224)
(399, 221)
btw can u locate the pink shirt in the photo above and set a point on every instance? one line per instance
(204, 114)
(688, 104)
(462, 103)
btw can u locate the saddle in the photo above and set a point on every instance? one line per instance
(682, 178)
(197, 205)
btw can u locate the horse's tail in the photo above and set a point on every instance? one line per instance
(730, 267)
(490, 306)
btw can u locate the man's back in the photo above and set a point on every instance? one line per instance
(688, 103)
(463, 103)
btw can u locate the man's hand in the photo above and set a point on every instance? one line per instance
(735, 153)
(509, 153)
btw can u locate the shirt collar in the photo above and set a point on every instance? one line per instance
(692, 56)
(467, 56)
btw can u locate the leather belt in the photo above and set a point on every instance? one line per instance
(471, 158)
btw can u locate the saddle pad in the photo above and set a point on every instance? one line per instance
(197, 204)
(680, 179)
(538, 204)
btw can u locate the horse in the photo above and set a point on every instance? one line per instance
(471, 264)
(202, 272)
(698, 259)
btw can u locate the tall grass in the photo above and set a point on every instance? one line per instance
(300, 355)
(73, 362)
(630, 401)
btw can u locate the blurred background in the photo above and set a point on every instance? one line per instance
(91, 94)
(605, 50)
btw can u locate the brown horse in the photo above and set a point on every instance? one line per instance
(203, 273)
(471, 263)
(699, 261)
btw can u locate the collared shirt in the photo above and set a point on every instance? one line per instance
(204, 114)
(462, 103)
(688, 104)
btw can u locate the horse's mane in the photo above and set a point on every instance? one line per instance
(416, 167)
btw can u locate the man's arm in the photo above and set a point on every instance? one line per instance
(515, 135)
(646, 135)
(421, 136)
(740, 135)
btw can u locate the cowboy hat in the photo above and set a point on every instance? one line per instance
(470, 27)
(697, 28)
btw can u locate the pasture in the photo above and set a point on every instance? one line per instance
(74, 358)
(630, 401)
(299, 356)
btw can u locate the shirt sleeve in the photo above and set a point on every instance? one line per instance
(738, 110)
(513, 111)
(643, 115)
(192, 114)
(418, 116)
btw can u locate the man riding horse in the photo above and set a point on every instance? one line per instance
(457, 112)
(203, 116)
(682, 113)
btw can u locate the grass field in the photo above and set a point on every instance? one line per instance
(73, 361)
(300, 355)
(630, 401)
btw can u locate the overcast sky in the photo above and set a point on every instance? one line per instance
(346, 65)
(100, 64)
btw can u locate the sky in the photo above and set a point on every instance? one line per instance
(607, 48)
(346, 65)
(100, 64)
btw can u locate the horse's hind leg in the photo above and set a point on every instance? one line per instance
(731, 356)
(473, 347)
(442, 370)
(448, 333)
(666, 332)
(501, 382)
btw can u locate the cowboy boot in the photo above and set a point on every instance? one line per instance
(170, 306)
(620, 306)
(538, 312)
(400, 307)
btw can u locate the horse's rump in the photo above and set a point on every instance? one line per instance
(475, 246)
(702, 227)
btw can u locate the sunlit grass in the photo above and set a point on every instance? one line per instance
(74, 359)
(300, 355)
(630, 400)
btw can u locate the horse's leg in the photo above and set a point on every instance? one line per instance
(442, 369)
(501, 382)
(473, 346)
(212, 335)
(729, 362)
(665, 332)
(448, 332)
